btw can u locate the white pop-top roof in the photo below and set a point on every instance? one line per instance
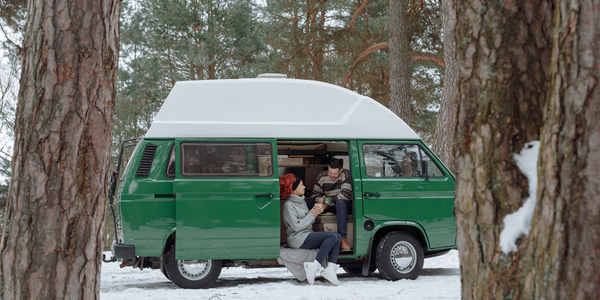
(273, 108)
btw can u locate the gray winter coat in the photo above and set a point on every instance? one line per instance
(298, 219)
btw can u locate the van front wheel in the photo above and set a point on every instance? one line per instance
(192, 274)
(399, 256)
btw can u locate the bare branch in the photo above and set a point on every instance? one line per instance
(414, 56)
(362, 6)
(428, 56)
(361, 56)
(9, 40)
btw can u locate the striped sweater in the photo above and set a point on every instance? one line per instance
(340, 188)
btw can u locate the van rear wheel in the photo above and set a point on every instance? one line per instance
(399, 256)
(192, 274)
(163, 269)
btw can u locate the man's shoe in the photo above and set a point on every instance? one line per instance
(329, 273)
(312, 269)
(344, 245)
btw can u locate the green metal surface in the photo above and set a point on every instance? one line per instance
(147, 205)
(222, 218)
(361, 236)
(429, 203)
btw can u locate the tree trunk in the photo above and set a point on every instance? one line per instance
(52, 244)
(399, 61)
(443, 139)
(503, 55)
(564, 244)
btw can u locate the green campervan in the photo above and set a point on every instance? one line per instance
(201, 189)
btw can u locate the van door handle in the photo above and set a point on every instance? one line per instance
(263, 200)
(264, 196)
(372, 195)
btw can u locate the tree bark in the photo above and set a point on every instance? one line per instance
(399, 46)
(503, 55)
(52, 243)
(564, 245)
(443, 139)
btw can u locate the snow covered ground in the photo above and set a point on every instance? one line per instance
(440, 279)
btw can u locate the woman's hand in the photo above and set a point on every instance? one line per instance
(317, 209)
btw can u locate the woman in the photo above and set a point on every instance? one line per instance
(299, 220)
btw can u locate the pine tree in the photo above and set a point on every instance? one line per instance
(51, 244)
(165, 41)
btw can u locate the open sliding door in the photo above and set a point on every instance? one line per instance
(227, 199)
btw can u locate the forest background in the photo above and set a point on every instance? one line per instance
(342, 42)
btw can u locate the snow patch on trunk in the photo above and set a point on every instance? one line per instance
(519, 222)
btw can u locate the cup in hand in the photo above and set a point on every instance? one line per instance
(328, 201)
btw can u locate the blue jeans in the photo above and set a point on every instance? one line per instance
(340, 209)
(327, 242)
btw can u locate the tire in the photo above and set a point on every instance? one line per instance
(164, 269)
(399, 256)
(166, 274)
(192, 274)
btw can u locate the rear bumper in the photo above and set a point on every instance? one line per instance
(123, 251)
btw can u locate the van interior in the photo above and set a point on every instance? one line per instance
(307, 159)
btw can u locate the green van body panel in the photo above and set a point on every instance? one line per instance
(221, 218)
(429, 203)
(360, 233)
(382, 225)
(147, 205)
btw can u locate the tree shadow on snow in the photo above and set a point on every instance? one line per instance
(440, 272)
(235, 281)
(224, 282)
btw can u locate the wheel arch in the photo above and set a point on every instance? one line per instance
(413, 229)
(168, 240)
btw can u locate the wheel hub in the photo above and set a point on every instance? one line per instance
(403, 257)
(194, 269)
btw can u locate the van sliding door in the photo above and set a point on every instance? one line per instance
(227, 200)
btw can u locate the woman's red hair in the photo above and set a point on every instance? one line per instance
(285, 185)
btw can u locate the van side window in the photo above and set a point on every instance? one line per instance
(170, 170)
(215, 159)
(432, 169)
(392, 160)
(398, 160)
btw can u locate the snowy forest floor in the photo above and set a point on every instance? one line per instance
(440, 279)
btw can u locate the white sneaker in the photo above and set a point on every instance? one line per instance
(329, 273)
(312, 269)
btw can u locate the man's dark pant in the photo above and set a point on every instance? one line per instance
(341, 208)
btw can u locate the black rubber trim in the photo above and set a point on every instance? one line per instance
(143, 169)
(436, 253)
(367, 262)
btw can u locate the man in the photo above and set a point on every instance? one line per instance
(337, 184)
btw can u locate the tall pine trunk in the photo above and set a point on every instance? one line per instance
(443, 139)
(503, 55)
(399, 61)
(52, 243)
(563, 251)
